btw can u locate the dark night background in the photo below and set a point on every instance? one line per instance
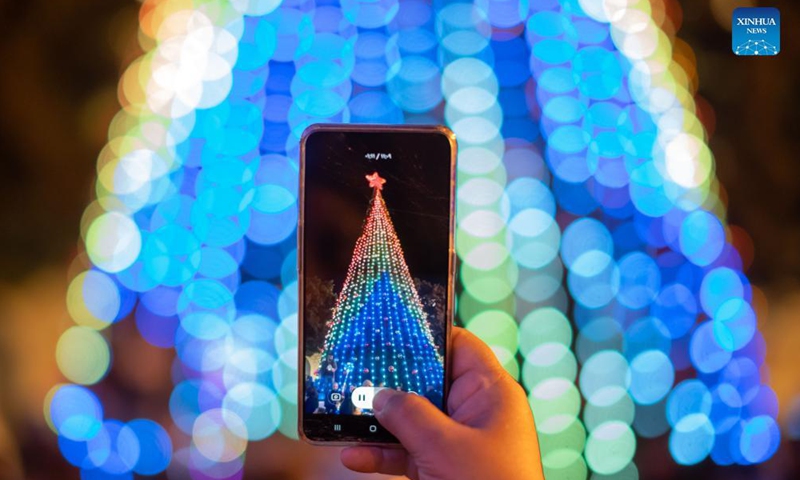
(62, 60)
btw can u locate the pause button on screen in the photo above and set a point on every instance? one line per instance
(362, 396)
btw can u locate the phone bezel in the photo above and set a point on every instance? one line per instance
(386, 439)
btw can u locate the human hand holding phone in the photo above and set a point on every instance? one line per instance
(489, 434)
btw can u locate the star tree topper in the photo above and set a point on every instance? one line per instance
(376, 181)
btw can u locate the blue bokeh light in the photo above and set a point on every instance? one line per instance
(76, 413)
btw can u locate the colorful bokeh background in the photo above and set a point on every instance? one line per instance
(627, 225)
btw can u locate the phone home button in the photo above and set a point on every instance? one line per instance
(373, 428)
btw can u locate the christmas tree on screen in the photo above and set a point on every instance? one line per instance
(379, 330)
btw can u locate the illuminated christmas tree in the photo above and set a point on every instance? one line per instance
(379, 330)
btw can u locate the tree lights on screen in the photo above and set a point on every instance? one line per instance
(379, 325)
(595, 256)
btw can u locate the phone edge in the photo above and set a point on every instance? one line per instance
(450, 314)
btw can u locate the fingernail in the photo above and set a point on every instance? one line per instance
(382, 397)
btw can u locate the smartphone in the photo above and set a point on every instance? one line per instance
(376, 271)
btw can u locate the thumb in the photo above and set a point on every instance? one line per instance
(413, 419)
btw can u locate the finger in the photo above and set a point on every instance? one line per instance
(471, 354)
(414, 420)
(479, 381)
(391, 461)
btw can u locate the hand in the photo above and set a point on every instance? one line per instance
(489, 433)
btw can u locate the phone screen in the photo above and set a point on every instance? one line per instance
(376, 273)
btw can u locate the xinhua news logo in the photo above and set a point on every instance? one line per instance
(756, 31)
